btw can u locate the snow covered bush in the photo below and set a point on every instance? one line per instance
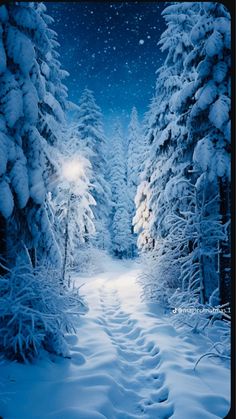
(212, 320)
(35, 311)
(160, 276)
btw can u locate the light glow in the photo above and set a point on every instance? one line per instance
(73, 170)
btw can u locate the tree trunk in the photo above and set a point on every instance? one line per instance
(225, 246)
(66, 241)
(33, 257)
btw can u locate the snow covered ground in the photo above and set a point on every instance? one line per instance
(127, 362)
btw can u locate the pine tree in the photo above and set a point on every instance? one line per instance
(29, 96)
(32, 102)
(185, 193)
(161, 128)
(121, 236)
(209, 124)
(141, 219)
(134, 161)
(73, 201)
(90, 130)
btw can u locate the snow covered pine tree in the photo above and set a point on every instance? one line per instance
(134, 161)
(120, 225)
(32, 99)
(209, 120)
(73, 202)
(189, 153)
(27, 103)
(90, 130)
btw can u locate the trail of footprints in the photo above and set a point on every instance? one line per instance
(139, 361)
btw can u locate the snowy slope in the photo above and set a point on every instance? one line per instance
(126, 362)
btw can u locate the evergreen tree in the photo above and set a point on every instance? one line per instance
(209, 125)
(162, 131)
(32, 102)
(72, 204)
(135, 156)
(186, 219)
(121, 236)
(29, 96)
(90, 130)
(198, 104)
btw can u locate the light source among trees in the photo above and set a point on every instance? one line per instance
(74, 175)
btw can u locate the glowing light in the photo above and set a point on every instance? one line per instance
(72, 170)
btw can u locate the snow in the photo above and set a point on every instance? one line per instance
(206, 95)
(3, 152)
(36, 184)
(20, 49)
(219, 113)
(55, 106)
(30, 102)
(199, 31)
(204, 69)
(220, 71)
(19, 178)
(45, 70)
(141, 41)
(214, 44)
(203, 153)
(222, 24)
(180, 99)
(127, 361)
(12, 103)
(6, 199)
(26, 18)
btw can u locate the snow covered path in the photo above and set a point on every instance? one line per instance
(126, 362)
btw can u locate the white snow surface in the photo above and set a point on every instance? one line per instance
(127, 361)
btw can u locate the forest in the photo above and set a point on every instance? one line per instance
(152, 202)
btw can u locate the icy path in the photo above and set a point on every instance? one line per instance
(126, 362)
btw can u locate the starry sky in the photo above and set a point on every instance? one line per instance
(112, 49)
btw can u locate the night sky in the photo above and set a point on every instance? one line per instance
(110, 48)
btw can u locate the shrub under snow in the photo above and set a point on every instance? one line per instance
(35, 312)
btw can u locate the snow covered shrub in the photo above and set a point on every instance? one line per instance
(211, 320)
(35, 311)
(160, 276)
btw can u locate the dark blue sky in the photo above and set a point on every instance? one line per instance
(111, 48)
